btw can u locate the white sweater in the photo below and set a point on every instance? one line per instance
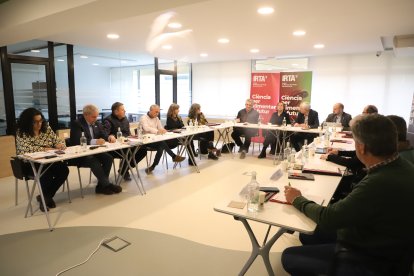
(150, 125)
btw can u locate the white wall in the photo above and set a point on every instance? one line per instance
(358, 80)
(221, 88)
(354, 80)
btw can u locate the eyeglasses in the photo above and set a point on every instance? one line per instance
(38, 121)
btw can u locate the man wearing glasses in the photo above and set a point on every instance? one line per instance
(246, 115)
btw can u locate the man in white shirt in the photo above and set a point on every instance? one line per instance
(151, 124)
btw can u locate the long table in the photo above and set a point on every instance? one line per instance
(285, 216)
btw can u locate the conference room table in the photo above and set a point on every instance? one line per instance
(285, 216)
(275, 130)
(41, 161)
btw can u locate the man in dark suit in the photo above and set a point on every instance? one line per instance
(339, 116)
(95, 134)
(307, 118)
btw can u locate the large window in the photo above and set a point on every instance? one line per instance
(62, 86)
(104, 77)
(184, 87)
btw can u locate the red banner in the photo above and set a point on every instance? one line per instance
(265, 93)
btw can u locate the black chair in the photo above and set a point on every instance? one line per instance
(361, 263)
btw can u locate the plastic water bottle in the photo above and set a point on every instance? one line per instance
(195, 123)
(83, 142)
(284, 122)
(286, 152)
(259, 121)
(253, 194)
(119, 135)
(139, 131)
(305, 152)
(292, 159)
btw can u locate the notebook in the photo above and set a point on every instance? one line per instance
(301, 176)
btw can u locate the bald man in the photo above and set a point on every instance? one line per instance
(339, 116)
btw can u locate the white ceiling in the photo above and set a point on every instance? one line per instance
(351, 26)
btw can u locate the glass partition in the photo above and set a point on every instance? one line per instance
(3, 122)
(62, 86)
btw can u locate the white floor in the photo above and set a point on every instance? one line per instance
(178, 202)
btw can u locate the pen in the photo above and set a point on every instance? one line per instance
(289, 184)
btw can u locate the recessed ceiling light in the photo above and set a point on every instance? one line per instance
(83, 56)
(112, 36)
(35, 51)
(124, 61)
(59, 59)
(203, 55)
(299, 33)
(174, 25)
(223, 40)
(265, 10)
(167, 47)
(95, 64)
(318, 46)
(254, 51)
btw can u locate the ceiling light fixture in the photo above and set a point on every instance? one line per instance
(265, 10)
(112, 36)
(254, 51)
(35, 51)
(83, 56)
(299, 33)
(318, 46)
(59, 59)
(95, 64)
(167, 47)
(223, 40)
(203, 55)
(174, 25)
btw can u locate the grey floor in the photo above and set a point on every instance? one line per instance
(44, 253)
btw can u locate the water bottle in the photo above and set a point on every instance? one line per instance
(195, 123)
(119, 135)
(190, 124)
(292, 159)
(139, 131)
(253, 194)
(259, 121)
(284, 122)
(83, 142)
(305, 152)
(286, 152)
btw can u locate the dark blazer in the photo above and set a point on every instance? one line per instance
(79, 126)
(174, 124)
(278, 120)
(313, 119)
(345, 119)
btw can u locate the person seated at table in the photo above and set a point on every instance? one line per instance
(405, 150)
(151, 124)
(34, 135)
(370, 109)
(174, 122)
(101, 163)
(370, 222)
(307, 118)
(115, 120)
(195, 116)
(339, 116)
(245, 115)
(276, 119)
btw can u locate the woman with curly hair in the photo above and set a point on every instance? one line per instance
(195, 116)
(34, 135)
